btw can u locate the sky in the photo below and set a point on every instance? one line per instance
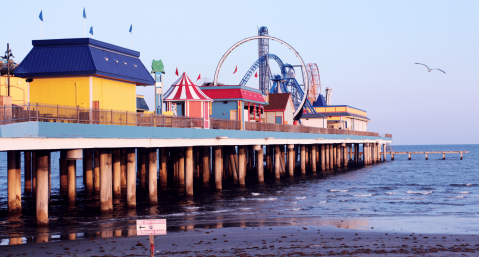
(365, 50)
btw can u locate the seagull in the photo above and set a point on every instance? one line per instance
(429, 70)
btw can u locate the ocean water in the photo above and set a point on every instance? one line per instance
(432, 195)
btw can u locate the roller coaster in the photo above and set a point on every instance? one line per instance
(302, 95)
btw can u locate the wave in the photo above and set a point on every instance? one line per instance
(365, 195)
(464, 192)
(334, 190)
(458, 197)
(255, 194)
(221, 211)
(295, 209)
(301, 197)
(462, 185)
(322, 201)
(419, 192)
(391, 193)
(173, 214)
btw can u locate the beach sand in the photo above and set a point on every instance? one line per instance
(260, 241)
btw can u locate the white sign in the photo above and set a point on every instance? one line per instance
(151, 227)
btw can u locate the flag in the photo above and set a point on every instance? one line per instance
(131, 28)
(176, 71)
(199, 77)
(41, 15)
(256, 75)
(236, 69)
(91, 30)
(84, 13)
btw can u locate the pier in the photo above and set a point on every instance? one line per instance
(120, 156)
(429, 152)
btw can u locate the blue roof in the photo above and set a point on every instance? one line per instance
(320, 102)
(83, 56)
(141, 104)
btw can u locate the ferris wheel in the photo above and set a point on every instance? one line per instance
(299, 92)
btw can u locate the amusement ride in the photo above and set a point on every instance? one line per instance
(303, 95)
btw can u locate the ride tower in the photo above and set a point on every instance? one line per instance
(158, 69)
(263, 49)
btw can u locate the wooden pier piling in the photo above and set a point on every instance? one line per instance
(63, 173)
(242, 165)
(116, 173)
(181, 167)
(27, 159)
(123, 162)
(14, 182)
(218, 182)
(131, 178)
(163, 167)
(189, 171)
(42, 188)
(260, 164)
(72, 186)
(277, 162)
(88, 157)
(96, 179)
(153, 176)
(106, 199)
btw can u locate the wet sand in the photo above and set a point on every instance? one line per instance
(262, 241)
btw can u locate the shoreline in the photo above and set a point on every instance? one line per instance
(268, 240)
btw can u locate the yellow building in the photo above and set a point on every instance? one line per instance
(82, 72)
(18, 89)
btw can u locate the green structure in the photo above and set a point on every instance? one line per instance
(157, 66)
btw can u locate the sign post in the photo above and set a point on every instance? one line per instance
(151, 227)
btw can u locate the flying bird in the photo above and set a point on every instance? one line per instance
(429, 70)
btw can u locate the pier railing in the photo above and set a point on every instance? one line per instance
(255, 126)
(69, 114)
(225, 124)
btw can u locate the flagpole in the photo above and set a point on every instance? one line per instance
(131, 40)
(83, 27)
(41, 25)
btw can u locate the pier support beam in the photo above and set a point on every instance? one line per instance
(106, 199)
(385, 156)
(277, 162)
(428, 158)
(72, 184)
(163, 168)
(242, 165)
(88, 156)
(130, 178)
(27, 159)
(14, 182)
(181, 167)
(218, 164)
(338, 155)
(356, 153)
(291, 153)
(323, 158)
(143, 156)
(313, 158)
(42, 188)
(153, 176)
(116, 173)
(345, 154)
(189, 171)
(96, 179)
(302, 157)
(206, 165)
(443, 156)
(331, 157)
(63, 173)
(409, 156)
(260, 163)
(123, 162)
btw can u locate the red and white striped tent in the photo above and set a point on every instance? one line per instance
(188, 99)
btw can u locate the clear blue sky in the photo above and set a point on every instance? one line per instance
(365, 50)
